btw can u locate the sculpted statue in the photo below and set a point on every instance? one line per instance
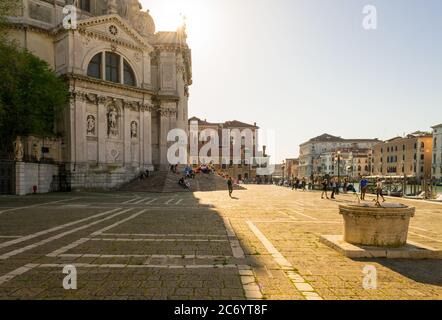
(90, 125)
(133, 129)
(36, 150)
(18, 149)
(112, 125)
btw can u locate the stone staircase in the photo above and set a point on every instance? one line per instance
(164, 182)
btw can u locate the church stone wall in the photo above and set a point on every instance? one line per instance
(97, 152)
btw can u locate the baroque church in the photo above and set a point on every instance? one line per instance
(129, 85)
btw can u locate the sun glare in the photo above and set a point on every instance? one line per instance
(171, 14)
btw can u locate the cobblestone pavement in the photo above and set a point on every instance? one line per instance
(261, 244)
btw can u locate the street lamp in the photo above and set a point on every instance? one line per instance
(338, 159)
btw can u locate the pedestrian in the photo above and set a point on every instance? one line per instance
(379, 186)
(324, 188)
(363, 185)
(303, 184)
(296, 183)
(344, 189)
(334, 185)
(230, 185)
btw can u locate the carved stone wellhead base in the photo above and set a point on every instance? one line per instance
(368, 224)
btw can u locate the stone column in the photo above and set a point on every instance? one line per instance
(80, 130)
(101, 129)
(146, 136)
(70, 131)
(125, 131)
(164, 129)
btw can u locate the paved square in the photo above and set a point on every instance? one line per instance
(262, 244)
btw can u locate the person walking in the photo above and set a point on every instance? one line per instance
(363, 185)
(344, 188)
(379, 186)
(324, 188)
(303, 184)
(230, 185)
(334, 188)
(296, 183)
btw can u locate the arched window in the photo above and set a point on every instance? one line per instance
(94, 67)
(112, 67)
(129, 77)
(116, 68)
(85, 5)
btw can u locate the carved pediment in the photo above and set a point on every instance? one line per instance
(113, 28)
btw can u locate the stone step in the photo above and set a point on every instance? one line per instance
(162, 181)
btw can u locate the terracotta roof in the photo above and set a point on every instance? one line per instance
(202, 122)
(330, 138)
(325, 137)
(236, 123)
(227, 124)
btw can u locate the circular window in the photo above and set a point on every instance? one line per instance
(113, 30)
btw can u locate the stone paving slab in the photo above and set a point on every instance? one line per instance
(284, 259)
(412, 250)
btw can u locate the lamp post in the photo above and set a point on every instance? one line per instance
(338, 159)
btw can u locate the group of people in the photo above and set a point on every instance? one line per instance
(299, 184)
(143, 175)
(190, 173)
(363, 184)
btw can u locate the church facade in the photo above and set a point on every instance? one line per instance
(128, 83)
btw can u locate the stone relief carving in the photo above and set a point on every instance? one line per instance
(18, 149)
(113, 152)
(134, 106)
(91, 123)
(92, 98)
(112, 121)
(133, 129)
(36, 150)
(167, 112)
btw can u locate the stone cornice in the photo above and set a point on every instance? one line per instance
(167, 111)
(32, 27)
(100, 99)
(108, 84)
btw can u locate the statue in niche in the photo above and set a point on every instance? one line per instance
(112, 122)
(133, 129)
(18, 149)
(36, 150)
(90, 125)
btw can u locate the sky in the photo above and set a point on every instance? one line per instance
(301, 68)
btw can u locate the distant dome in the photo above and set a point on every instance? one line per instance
(146, 24)
(142, 21)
